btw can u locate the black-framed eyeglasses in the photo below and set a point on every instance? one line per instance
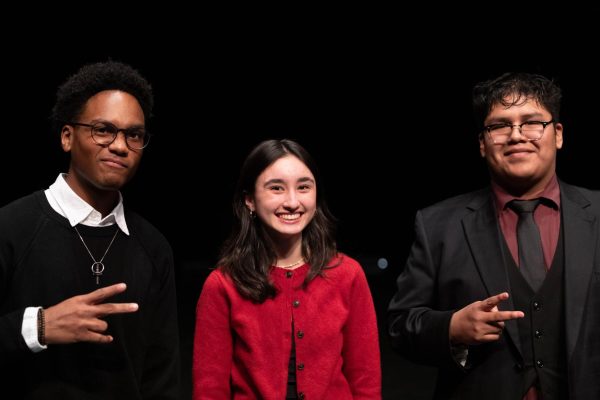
(104, 133)
(531, 130)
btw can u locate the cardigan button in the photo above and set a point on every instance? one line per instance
(300, 334)
(300, 366)
(537, 306)
(538, 334)
(301, 396)
(539, 363)
(288, 274)
(296, 303)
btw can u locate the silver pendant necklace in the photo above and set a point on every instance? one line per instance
(97, 266)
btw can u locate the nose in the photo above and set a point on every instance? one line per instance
(516, 137)
(291, 200)
(119, 144)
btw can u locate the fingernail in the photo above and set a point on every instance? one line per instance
(133, 306)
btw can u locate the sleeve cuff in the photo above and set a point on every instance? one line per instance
(460, 354)
(29, 329)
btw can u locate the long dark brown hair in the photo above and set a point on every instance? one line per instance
(248, 254)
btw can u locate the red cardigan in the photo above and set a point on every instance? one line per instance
(242, 349)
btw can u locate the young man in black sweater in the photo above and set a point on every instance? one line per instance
(87, 293)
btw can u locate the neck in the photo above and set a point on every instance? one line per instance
(288, 251)
(525, 189)
(103, 201)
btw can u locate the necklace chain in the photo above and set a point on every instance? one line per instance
(292, 264)
(97, 266)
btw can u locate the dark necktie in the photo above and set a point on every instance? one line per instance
(531, 255)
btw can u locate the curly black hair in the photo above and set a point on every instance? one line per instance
(91, 79)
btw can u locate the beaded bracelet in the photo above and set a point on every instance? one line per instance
(41, 326)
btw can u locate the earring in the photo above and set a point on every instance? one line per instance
(252, 214)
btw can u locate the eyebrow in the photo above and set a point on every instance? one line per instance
(281, 181)
(104, 121)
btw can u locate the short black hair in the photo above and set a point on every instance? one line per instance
(91, 79)
(523, 86)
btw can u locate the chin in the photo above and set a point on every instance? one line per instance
(287, 232)
(521, 173)
(111, 184)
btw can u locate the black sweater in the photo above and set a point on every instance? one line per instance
(43, 262)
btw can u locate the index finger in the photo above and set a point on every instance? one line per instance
(491, 302)
(500, 316)
(115, 308)
(98, 296)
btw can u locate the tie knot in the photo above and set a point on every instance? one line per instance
(524, 206)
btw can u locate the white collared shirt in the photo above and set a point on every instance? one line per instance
(67, 203)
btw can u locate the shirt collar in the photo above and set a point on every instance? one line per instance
(68, 204)
(551, 192)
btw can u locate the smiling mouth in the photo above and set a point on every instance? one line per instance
(290, 217)
(517, 152)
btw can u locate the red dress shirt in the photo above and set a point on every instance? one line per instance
(547, 218)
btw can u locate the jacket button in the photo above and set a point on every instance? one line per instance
(539, 363)
(301, 396)
(300, 366)
(538, 334)
(288, 274)
(519, 367)
(296, 303)
(300, 334)
(537, 306)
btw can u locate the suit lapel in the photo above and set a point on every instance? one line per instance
(580, 246)
(484, 238)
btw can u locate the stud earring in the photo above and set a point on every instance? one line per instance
(252, 214)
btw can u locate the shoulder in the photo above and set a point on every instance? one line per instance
(586, 198)
(346, 262)
(219, 283)
(23, 215)
(345, 267)
(22, 207)
(140, 227)
(457, 206)
(151, 241)
(217, 279)
(578, 193)
(348, 277)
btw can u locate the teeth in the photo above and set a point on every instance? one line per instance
(290, 216)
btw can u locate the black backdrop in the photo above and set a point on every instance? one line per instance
(388, 122)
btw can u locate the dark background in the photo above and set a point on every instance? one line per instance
(387, 118)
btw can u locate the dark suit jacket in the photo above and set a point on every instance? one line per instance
(457, 259)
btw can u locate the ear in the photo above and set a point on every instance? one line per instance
(249, 200)
(482, 145)
(558, 136)
(66, 137)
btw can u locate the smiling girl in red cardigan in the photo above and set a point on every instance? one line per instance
(284, 316)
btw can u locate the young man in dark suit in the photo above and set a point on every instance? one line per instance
(500, 289)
